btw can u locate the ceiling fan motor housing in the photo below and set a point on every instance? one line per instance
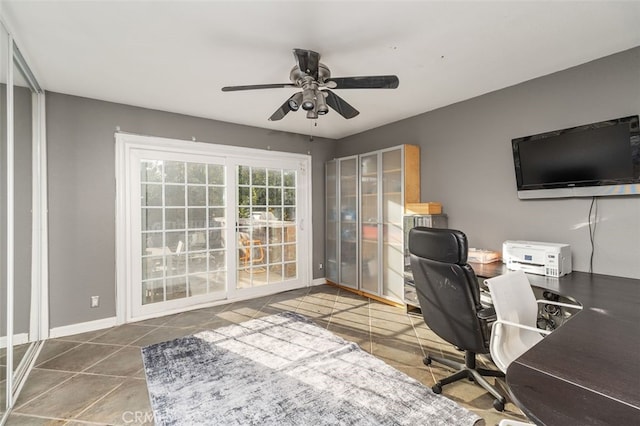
(297, 76)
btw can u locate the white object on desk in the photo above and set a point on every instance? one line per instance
(550, 259)
(477, 255)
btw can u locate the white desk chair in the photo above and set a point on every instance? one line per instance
(515, 331)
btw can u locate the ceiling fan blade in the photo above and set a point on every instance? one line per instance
(257, 86)
(284, 108)
(308, 61)
(366, 82)
(340, 105)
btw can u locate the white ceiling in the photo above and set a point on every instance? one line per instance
(176, 55)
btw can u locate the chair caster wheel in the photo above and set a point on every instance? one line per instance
(498, 405)
(427, 360)
(436, 388)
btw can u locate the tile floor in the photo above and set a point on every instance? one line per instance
(97, 378)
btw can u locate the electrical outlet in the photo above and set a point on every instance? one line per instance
(320, 266)
(95, 301)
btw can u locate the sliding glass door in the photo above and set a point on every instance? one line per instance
(266, 225)
(182, 226)
(202, 225)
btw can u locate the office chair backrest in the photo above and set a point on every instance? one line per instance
(513, 301)
(447, 287)
(513, 298)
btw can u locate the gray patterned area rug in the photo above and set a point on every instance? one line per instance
(285, 370)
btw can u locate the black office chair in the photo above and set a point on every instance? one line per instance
(449, 299)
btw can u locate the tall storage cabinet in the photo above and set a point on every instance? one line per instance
(342, 221)
(386, 181)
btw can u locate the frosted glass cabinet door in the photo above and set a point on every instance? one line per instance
(331, 262)
(348, 221)
(392, 216)
(369, 215)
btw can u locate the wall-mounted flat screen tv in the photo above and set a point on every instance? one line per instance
(596, 159)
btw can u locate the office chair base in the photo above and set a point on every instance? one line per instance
(468, 371)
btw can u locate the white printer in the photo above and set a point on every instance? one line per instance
(550, 259)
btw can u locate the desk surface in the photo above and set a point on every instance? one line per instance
(587, 371)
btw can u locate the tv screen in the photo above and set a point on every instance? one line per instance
(603, 156)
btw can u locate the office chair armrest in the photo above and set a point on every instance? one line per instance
(487, 314)
(525, 327)
(566, 305)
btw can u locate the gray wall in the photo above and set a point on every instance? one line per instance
(467, 163)
(82, 191)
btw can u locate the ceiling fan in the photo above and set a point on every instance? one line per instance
(314, 78)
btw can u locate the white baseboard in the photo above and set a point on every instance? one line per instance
(318, 281)
(18, 339)
(82, 327)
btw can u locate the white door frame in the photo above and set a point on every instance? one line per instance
(39, 322)
(126, 144)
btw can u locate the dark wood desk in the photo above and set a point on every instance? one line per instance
(587, 372)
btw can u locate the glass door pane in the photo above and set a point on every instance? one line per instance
(266, 226)
(369, 223)
(392, 212)
(349, 222)
(183, 212)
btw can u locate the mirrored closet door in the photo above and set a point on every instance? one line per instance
(4, 54)
(22, 214)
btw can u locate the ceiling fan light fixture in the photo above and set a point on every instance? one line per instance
(321, 103)
(312, 114)
(294, 101)
(308, 99)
